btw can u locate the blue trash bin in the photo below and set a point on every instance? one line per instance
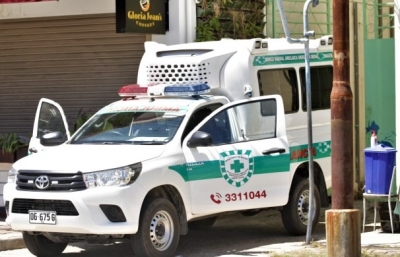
(379, 163)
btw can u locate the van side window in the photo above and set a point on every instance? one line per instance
(282, 82)
(321, 87)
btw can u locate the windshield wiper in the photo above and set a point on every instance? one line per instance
(152, 143)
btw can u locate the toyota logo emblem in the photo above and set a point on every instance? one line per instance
(42, 182)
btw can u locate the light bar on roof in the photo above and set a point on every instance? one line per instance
(163, 90)
(132, 90)
(187, 89)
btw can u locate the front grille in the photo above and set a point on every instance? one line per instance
(57, 181)
(61, 207)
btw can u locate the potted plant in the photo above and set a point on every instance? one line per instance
(9, 144)
(82, 117)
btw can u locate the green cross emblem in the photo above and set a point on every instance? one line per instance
(237, 166)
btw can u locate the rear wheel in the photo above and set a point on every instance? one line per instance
(295, 212)
(158, 234)
(41, 246)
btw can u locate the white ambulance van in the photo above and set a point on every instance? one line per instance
(209, 128)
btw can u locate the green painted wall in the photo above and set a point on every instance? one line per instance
(380, 90)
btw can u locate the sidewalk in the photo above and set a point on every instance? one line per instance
(374, 242)
(10, 240)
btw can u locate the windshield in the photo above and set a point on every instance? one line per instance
(146, 127)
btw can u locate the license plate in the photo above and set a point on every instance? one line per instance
(42, 217)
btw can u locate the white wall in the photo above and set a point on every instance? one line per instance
(182, 18)
(182, 23)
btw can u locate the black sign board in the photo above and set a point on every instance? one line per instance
(142, 16)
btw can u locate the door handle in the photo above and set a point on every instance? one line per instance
(273, 150)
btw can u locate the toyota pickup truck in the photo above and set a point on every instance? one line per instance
(208, 128)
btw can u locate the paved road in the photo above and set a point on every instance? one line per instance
(230, 235)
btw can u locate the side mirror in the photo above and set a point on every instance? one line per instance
(248, 91)
(52, 139)
(200, 138)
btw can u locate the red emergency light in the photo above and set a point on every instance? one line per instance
(132, 90)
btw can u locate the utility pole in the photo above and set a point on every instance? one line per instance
(342, 222)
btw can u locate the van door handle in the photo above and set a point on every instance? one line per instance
(273, 150)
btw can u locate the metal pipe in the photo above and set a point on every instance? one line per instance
(309, 119)
(305, 41)
(285, 25)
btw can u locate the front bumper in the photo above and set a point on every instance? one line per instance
(90, 218)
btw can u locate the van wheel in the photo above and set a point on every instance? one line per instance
(158, 234)
(203, 224)
(295, 212)
(41, 246)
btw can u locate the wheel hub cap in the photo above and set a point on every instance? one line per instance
(161, 230)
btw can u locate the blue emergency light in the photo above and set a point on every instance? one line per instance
(163, 90)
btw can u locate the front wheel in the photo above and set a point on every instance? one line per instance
(158, 234)
(295, 212)
(41, 246)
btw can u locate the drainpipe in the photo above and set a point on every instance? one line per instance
(191, 20)
(183, 21)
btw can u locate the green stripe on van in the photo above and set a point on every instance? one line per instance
(291, 58)
(320, 150)
(263, 164)
(212, 169)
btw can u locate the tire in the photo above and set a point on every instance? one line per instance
(295, 212)
(203, 224)
(41, 246)
(159, 229)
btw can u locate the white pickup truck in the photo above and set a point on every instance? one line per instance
(194, 138)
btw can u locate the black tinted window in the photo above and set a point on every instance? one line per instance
(321, 87)
(282, 82)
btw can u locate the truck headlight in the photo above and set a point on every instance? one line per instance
(12, 175)
(114, 177)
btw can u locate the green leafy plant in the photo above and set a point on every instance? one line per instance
(208, 31)
(237, 19)
(82, 117)
(9, 143)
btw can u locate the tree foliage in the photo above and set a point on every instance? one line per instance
(237, 19)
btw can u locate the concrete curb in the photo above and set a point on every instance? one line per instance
(10, 240)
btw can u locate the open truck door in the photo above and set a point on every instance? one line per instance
(238, 157)
(50, 127)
